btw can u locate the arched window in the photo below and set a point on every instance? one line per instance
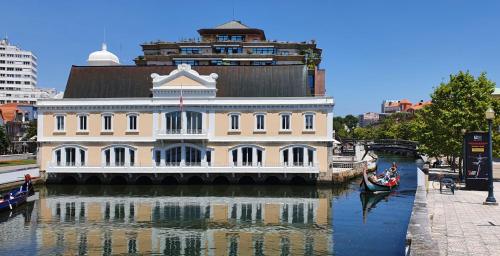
(246, 156)
(173, 122)
(193, 156)
(173, 156)
(119, 156)
(182, 154)
(70, 156)
(298, 155)
(194, 122)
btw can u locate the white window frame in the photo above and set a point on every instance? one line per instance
(62, 150)
(126, 160)
(231, 121)
(86, 124)
(305, 149)
(313, 121)
(136, 122)
(256, 128)
(103, 122)
(239, 154)
(289, 114)
(56, 128)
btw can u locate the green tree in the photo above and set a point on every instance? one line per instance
(339, 127)
(458, 104)
(31, 131)
(351, 122)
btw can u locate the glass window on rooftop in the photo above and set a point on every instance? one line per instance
(190, 50)
(190, 62)
(233, 38)
(264, 50)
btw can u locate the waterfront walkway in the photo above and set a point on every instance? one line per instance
(461, 224)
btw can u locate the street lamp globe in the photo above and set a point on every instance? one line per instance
(490, 114)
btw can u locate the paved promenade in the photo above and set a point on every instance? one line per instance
(461, 224)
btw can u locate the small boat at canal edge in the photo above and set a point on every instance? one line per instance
(18, 196)
(370, 183)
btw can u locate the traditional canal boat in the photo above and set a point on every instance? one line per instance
(18, 196)
(374, 183)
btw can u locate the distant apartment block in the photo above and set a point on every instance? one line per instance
(404, 105)
(235, 44)
(368, 118)
(18, 76)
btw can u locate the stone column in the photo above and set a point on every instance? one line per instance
(254, 156)
(184, 122)
(183, 154)
(240, 157)
(112, 157)
(204, 157)
(306, 157)
(63, 156)
(290, 156)
(163, 157)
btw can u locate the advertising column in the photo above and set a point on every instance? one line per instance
(476, 160)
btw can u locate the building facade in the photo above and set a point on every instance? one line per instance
(18, 76)
(235, 44)
(183, 130)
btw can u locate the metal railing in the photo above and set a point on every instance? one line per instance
(174, 165)
(180, 131)
(347, 165)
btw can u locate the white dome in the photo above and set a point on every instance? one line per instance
(103, 58)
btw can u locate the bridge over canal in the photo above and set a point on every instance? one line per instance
(394, 146)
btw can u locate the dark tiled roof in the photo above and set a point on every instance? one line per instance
(233, 81)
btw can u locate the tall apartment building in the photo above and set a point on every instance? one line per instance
(18, 76)
(235, 44)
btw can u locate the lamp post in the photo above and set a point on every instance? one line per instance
(490, 200)
(461, 173)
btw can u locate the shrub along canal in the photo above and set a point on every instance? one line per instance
(213, 220)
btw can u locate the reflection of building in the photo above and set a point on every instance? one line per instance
(139, 122)
(235, 44)
(185, 225)
(18, 76)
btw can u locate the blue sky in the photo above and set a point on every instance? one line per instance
(372, 50)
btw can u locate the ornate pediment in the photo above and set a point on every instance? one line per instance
(185, 80)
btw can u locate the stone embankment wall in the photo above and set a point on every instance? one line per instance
(418, 235)
(340, 175)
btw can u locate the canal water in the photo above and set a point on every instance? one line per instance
(212, 220)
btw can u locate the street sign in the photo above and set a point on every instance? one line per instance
(476, 160)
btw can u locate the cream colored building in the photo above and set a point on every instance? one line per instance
(184, 128)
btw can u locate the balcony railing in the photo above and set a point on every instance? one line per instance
(184, 167)
(181, 131)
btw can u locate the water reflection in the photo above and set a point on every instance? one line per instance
(370, 200)
(173, 221)
(24, 211)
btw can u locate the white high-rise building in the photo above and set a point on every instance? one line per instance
(18, 76)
